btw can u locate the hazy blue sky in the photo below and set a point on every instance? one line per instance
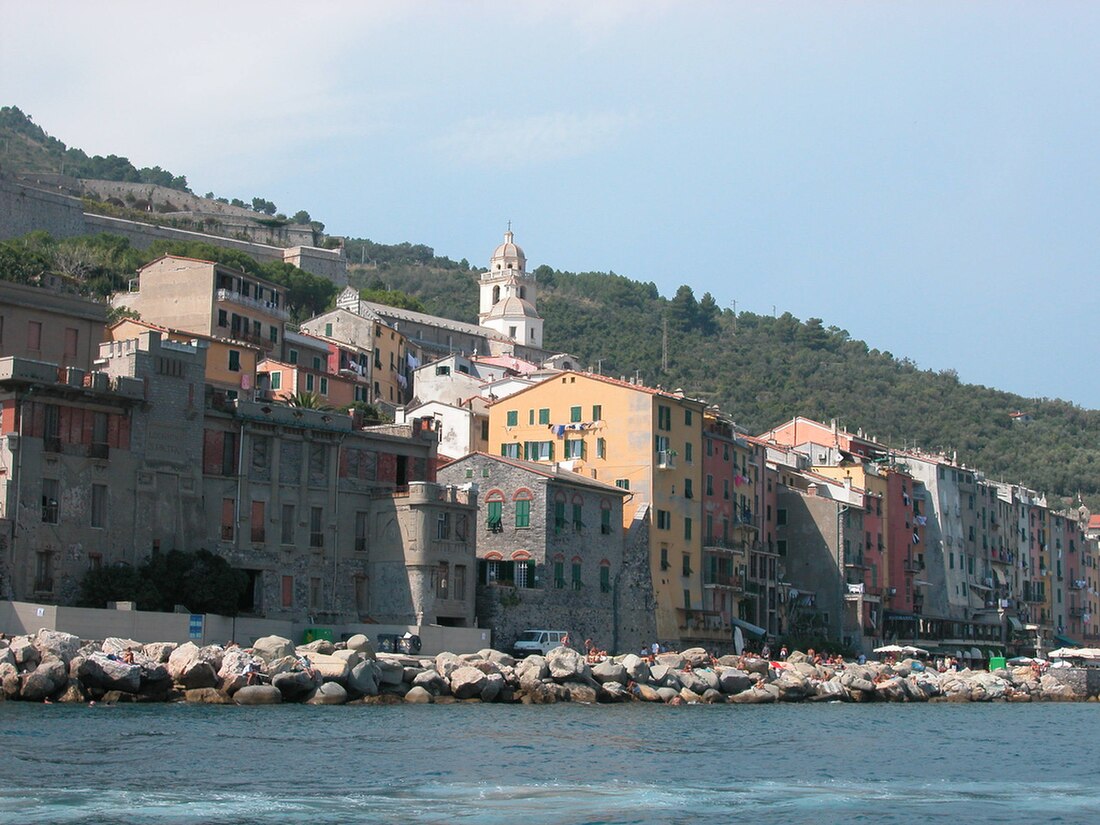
(922, 174)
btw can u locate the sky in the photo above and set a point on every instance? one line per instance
(922, 174)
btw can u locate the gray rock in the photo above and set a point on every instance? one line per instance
(114, 646)
(792, 686)
(714, 697)
(580, 692)
(25, 653)
(45, 680)
(690, 696)
(418, 695)
(72, 694)
(447, 663)
(636, 668)
(485, 666)
(9, 681)
(892, 689)
(608, 671)
(352, 657)
(671, 660)
(270, 648)
(236, 663)
(531, 669)
(258, 695)
(322, 646)
(797, 657)
(361, 644)
(212, 655)
(101, 673)
(182, 658)
(294, 685)
(566, 664)
(733, 680)
(467, 682)
(754, 664)
(389, 672)
(613, 692)
(330, 693)
(432, 682)
(756, 695)
(689, 680)
(206, 696)
(667, 694)
(199, 675)
(497, 657)
(63, 646)
(6, 657)
(494, 683)
(729, 661)
(647, 693)
(697, 657)
(159, 651)
(363, 679)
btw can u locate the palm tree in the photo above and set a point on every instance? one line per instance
(308, 401)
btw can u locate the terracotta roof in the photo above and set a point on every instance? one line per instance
(170, 330)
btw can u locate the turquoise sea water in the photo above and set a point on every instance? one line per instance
(559, 764)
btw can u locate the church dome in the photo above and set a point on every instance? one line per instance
(508, 253)
(512, 307)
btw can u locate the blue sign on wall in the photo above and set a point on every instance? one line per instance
(194, 627)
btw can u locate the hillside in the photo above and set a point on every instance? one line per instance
(762, 370)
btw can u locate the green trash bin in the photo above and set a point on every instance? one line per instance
(996, 662)
(312, 634)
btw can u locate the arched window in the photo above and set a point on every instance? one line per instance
(496, 293)
(523, 292)
(559, 571)
(577, 584)
(605, 576)
(559, 511)
(578, 513)
(605, 517)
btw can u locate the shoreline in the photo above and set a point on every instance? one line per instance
(51, 666)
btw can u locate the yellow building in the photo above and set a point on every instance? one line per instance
(642, 439)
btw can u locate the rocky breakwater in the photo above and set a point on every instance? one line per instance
(57, 667)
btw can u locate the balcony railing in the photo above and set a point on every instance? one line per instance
(269, 308)
(728, 580)
(666, 460)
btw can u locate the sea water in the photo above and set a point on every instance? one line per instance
(562, 764)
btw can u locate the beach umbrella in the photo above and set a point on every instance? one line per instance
(890, 649)
(1064, 653)
(914, 651)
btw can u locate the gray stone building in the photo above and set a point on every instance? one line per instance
(552, 554)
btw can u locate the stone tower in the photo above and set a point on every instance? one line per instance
(508, 295)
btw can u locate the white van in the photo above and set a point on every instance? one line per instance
(539, 642)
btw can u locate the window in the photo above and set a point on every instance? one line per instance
(664, 520)
(576, 574)
(685, 569)
(441, 574)
(50, 494)
(34, 335)
(287, 526)
(622, 483)
(559, 573)
(660, 443)
(523, 512)
(317, 363)
(531, 417)
(316, 531)
(544, 415)
(664, 417)
(781, 516)
(43, 571)
(324, 386)
(309, 382)
(559, 512)
(257, 521)
(664, 558)
(574, 415)
(510, 450)
(99, 505)
(495, 515)
(687, 528)
(578, 523)
(597, 412)
(328, 330)
(276, 380)
(688, 492)
(71, 338)
(314, 592)
(601, 448)
(574, 448)
(458, 588)
(229, 507)
(443, 526)
(223, 318)
(229, 454)
(512, 418)
(689, 452)
(361, 531)
(687, 417)
(781, 547)
(273, 333)
(234, 360)
(538, 450)
(605, 518)
(288, 591)
(710, 447)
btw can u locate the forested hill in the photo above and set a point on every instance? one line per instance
(765, 370)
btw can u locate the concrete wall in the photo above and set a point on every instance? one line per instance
(23, 210)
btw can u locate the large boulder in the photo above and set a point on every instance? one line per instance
(431, 681)
(672, 660)
(1054, 690)
(697, 657)
(690, 680)
(446, 663)
(330, 668)
(608, 671)
(494, 684)
(892, 689)
(321, 646)
(690, 696)
(613, 692)
(580, 692)
(115, 646)
(754, 664)
(63, 646)
(6, 656)
(467, 682)
(361, 644)
(237, 663)
(647, 693)
(756, 695)
(101, 673)
(390, 672)
(530, 670)
(72, 693)
(567, 664)
(496, 656)
(9, 681)
(159, 651)
(667, 694)
(25, 653)
(293, 685)
(352, 657)
(258, 695)
(733, 680)
(792, 685)
(207, 696)
(418, 695)
(363, 679)
(828, 690)
(45, 680)
(182, 658)
(330, 693)
(270, 648)
(636, 668)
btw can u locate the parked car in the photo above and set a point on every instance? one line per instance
(539, 642)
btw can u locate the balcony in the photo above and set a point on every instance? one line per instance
(1077, 612)
(912, 565)
(725, 581)
(717, 544)
(703, 624)
(268, 308)
(666, 460)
